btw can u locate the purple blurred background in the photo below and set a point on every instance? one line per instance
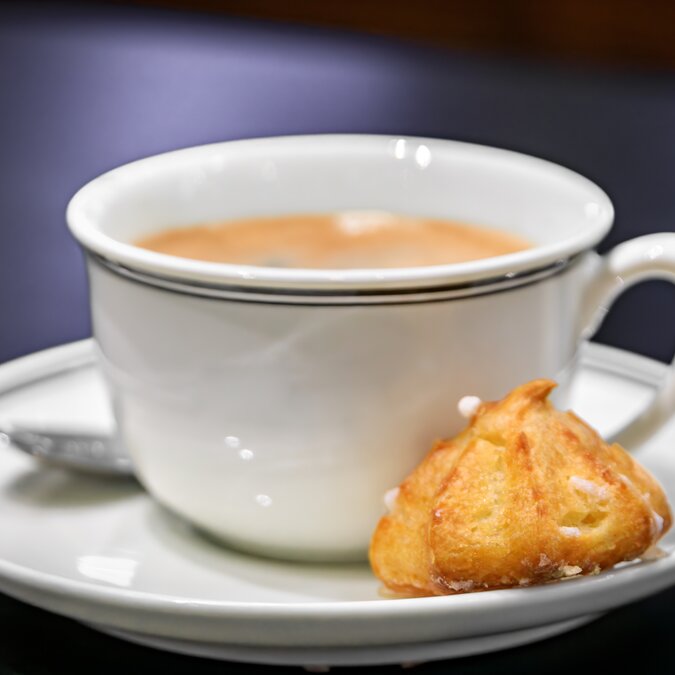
(85, 88)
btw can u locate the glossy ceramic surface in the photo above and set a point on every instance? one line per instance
(560, 211)
(274, 407)
(105, 553)
(279, 428)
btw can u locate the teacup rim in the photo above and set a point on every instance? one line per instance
(184, 270)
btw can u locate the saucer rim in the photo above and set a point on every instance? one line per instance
(404, 655)
(525, 607)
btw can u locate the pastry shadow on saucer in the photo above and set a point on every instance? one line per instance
(312, 581)
(48, 487)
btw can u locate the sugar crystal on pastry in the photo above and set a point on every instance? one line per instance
(390, 497)
(468, 405)
(524, 495)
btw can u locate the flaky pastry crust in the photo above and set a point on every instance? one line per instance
(524, 495)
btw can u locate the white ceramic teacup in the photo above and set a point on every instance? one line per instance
(274, 407)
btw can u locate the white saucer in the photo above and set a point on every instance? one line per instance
(102, 552)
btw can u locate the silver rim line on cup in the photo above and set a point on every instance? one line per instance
(347, 296)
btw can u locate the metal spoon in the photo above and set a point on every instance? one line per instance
(87, 453)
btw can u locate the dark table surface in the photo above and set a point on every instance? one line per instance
(86, 88)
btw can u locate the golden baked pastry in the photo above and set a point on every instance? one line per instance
(524, 495)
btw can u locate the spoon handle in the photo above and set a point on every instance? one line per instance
(90, 453)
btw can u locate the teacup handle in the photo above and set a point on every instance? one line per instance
(640, 259)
